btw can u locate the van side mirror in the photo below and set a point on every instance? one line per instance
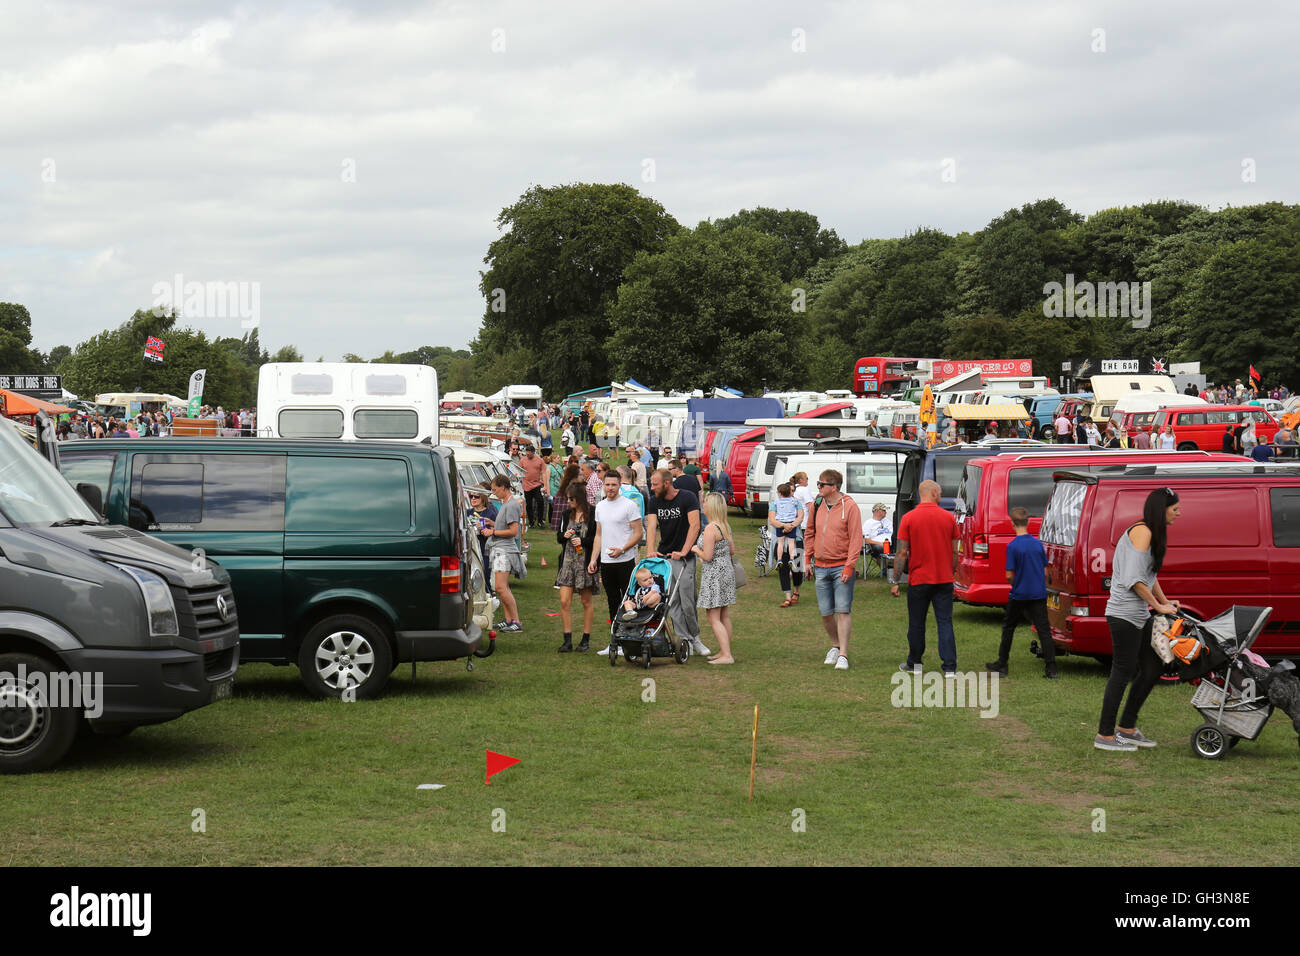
(91, 495)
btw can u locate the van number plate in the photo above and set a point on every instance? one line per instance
(1054, 602)
(223, 690)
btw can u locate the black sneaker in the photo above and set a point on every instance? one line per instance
(1050, 673)
(907, 668)
(997, 667)
(584, 646)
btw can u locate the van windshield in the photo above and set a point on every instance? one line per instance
(32, 492)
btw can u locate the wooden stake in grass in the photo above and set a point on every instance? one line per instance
(753, 756)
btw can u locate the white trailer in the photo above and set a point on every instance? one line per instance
(348, 400)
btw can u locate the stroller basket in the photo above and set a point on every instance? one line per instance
(1240, 719)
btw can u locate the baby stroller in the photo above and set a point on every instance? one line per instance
(1237, 690)
(764, 553)
(647, 634)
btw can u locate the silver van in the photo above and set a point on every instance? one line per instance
(101, 627)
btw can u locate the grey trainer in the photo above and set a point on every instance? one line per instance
(1101, 743)
(1135, 738)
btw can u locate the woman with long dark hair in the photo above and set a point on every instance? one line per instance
(1134, 594)
(577, 532)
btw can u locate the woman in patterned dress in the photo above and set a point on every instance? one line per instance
(717, 578)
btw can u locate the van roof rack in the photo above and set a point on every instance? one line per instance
(1189, 470)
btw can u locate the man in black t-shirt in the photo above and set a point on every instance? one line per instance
(672, 524)
(680, 479)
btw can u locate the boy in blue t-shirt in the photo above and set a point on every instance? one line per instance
(1027, 575)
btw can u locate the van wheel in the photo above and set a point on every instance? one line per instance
(1187, 446)
(33, 735)
(345, 653)
(1049, 433)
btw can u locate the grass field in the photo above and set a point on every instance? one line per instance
(608, 778)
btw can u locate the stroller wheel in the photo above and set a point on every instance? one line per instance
(1233, 741)
(613, 653)
(645, 650)
(1209, 742)
(683, 652)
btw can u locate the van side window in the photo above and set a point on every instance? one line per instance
(1192, 418)
(348, 494)
(94, 470)
(207, 492)
(1285, 505)
(385, 423)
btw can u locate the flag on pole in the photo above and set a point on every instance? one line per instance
(1254, 373)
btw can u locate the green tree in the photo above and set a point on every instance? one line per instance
(287, 353)
(802, 243)
(15, 337)
(554, 274)
(710, 309)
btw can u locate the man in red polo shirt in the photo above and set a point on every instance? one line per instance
(927, 547)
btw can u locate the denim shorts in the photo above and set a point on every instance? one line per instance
(834, 596)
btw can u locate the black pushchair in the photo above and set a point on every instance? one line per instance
(1236, 695)
(646, 634)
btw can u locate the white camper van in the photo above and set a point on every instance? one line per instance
(348, 400)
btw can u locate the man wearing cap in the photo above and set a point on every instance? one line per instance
(877, 532)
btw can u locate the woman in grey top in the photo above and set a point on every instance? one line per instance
(1133, 590)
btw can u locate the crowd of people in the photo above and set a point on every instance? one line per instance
(150, 424)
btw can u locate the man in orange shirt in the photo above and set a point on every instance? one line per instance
(927, 536)
(533, 467)
(831, 545)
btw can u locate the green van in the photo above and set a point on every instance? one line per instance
(346, 558)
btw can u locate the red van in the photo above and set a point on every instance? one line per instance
(991, 487)
(1204, 428)
(1236, 541)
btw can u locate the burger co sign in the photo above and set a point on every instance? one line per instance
(988, 369)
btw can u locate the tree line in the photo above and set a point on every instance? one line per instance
(593, 282)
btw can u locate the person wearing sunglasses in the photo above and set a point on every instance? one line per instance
(832, 543)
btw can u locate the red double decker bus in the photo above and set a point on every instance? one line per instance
(878, 377)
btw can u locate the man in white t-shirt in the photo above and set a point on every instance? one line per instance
(618, 532)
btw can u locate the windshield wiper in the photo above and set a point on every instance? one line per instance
(69, 522)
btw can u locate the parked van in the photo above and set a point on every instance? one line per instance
(1205, 427)
(991, 487)
(346, 557)
(151, 632)
(1236, 541)
(1138, 411)
(347, 400)
(947, 464)
(877, 469)
(1109, 390)
(781, 437)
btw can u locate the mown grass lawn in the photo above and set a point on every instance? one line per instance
(607, 778)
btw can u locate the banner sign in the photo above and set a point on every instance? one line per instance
(995, 368)
(196, 392)
(48, 388)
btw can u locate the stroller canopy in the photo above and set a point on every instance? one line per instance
(1236, 628)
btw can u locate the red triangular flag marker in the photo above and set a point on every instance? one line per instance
(496, 763)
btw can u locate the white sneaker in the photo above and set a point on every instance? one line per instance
(832, 655)
(604, 653)
(697, 647)
(842, 664)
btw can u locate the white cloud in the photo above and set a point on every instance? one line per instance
(209, 138)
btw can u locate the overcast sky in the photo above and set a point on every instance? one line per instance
(351, 159)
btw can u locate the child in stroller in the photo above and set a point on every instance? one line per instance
(645, 634)
(647, 595)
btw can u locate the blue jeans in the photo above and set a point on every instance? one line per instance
(835, 596)
(919, 599)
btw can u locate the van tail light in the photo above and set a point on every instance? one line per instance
(1079, 610)
(755, 498)
(451, 575)
(980, 546)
